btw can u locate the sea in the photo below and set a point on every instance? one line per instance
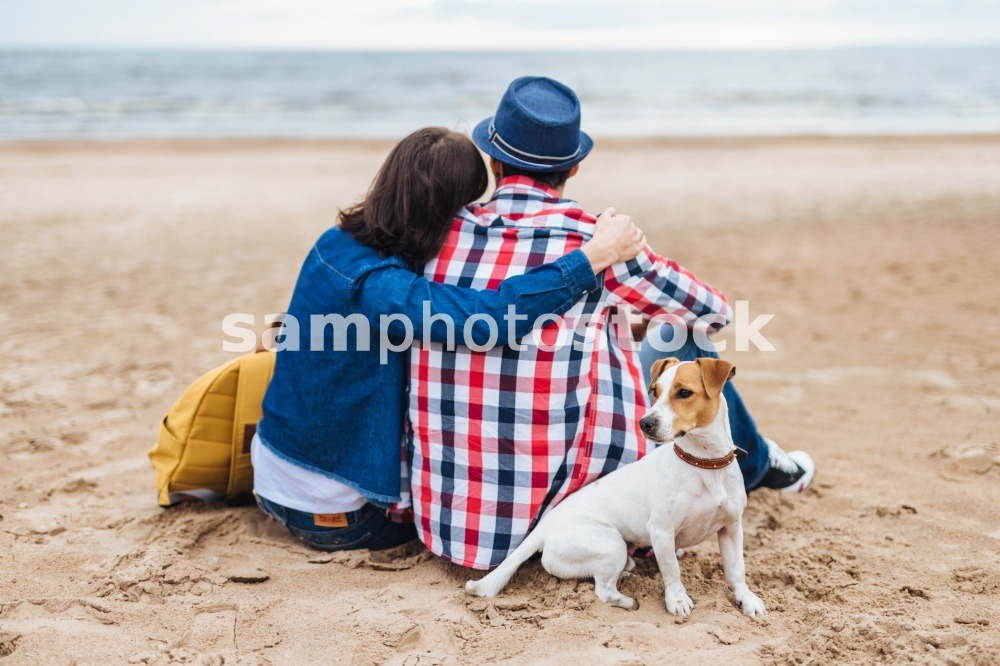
(336, 94)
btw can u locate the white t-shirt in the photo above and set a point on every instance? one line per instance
(298, 488)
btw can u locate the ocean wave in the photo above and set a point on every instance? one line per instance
(126, 94)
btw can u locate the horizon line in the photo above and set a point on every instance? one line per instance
(436, 49)
(261, 139)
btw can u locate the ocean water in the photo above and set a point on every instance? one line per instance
(126, 94)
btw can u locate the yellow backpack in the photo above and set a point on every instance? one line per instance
(204, 445)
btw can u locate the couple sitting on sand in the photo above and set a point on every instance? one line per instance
(545, 392)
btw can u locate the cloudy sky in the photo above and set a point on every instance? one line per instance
(495, 24)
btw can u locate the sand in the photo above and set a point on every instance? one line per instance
(878, 258)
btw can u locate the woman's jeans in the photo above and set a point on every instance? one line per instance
(745, 433)
(368, 527)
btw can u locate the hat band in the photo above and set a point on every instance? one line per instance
(511, 151)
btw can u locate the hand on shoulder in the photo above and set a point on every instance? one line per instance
(616, 239)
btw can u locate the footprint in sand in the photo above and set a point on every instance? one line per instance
(41, 442)
(29, 444)
(967, 462)
(58, 619)
(8, 643)
(213, 632)
(975, 580)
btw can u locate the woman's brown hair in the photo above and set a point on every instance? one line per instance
(415, 196)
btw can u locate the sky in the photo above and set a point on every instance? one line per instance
(496, 24)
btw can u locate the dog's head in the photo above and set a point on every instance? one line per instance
(684, 396)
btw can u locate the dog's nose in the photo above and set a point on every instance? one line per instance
(647, 423)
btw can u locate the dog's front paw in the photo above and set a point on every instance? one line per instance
(678, 601)
(750, 604)
(475, 588)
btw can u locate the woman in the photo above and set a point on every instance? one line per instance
(326, 457)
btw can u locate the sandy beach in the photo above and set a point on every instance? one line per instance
(877, 257)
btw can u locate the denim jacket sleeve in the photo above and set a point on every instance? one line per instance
(391, 289)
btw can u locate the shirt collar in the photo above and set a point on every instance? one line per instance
(524, 185)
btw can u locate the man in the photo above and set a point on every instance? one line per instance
(499, 436)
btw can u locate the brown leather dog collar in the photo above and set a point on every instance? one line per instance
(704, 463)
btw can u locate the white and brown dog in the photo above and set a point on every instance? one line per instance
(674, 497)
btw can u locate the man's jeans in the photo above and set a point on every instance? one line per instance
(744, 429)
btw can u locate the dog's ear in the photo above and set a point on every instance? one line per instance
(715, 373)
(658, 368)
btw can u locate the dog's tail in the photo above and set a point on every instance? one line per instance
(491, 584)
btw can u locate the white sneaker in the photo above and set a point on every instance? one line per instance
(790, 472)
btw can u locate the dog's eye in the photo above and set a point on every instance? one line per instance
(684, 393)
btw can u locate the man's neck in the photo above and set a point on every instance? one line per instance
(557, 191)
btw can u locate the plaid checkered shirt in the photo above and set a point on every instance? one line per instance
(497, 437)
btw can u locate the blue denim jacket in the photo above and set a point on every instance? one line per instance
(339, 411)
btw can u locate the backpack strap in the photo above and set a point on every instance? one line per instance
(255, 376)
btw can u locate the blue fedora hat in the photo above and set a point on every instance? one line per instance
(536, 127)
